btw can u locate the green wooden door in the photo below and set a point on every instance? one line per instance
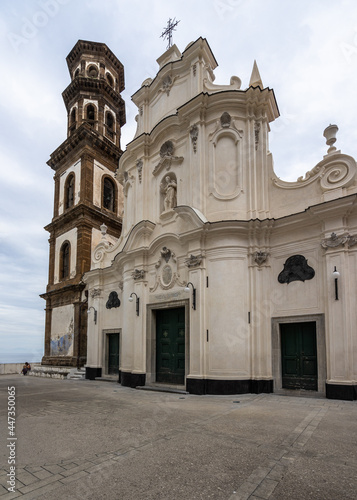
(299, 355)
(113, 354)
(170, 345)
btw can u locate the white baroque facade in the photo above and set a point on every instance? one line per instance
(230, 268)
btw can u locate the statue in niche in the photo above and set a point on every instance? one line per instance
(169, 188)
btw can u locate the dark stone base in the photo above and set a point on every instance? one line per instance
(92, 373)
(132, 379)
(62, 361)
(262, 386)
(226, 387)
(343, 392)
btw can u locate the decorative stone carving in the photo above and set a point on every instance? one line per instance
(256, 134)
(225, 120)
(138, 274)
(234, 83)
(167, 84)
(121, 285)
(335, 241)
(296, 268)
(260, 257)
(167, 157)
(168, 276)
(167, 149)
(101, 250)
(96, 292)
(330, 136)
(128, 178)
(194, 68)
(169, 188)
(193, 261)
(352, 240)
(194, 137)
(335, 171)
(139, 166)
(113, 300)
(103, 230)
(219, 127)
(166, 255)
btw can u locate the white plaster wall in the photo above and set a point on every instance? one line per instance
(70, 236)
(228, 353)
(76, 169)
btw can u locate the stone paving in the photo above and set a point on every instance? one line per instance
(99, 440)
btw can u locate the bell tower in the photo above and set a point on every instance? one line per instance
(87, 194)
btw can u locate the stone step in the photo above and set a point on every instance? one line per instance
(162, 388)
(107, 378)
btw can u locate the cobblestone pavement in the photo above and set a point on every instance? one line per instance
(97, 440)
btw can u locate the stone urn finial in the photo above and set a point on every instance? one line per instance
(103, 230)
(330, 135)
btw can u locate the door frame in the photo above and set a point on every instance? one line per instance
(106, 333)
(151, 335)
(319, 319)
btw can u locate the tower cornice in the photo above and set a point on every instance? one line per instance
(84, 84)
(82, 134)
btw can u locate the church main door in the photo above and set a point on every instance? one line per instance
(170, 345)
(299, 355)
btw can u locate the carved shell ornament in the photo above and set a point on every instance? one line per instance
(167, 149)
(167, 158)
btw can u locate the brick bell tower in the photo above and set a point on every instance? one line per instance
(87, 194)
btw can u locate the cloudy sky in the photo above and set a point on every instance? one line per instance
(306, 51)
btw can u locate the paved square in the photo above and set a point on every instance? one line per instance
(89, 439)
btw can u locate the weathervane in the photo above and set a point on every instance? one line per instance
(171, 25)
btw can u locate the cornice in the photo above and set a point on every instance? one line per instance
(84, 133)
(59, 289)
(76, 216)
(100, 85)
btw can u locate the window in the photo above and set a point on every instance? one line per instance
(93, 72)
(108, 194)
(109, 79)
(109, 121)
(72, 120)
(65, 260)
(69, 192)
(90, 112)
(73, 116)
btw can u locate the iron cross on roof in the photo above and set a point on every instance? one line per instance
(171, 25)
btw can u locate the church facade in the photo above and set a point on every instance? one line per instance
(225, 279)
